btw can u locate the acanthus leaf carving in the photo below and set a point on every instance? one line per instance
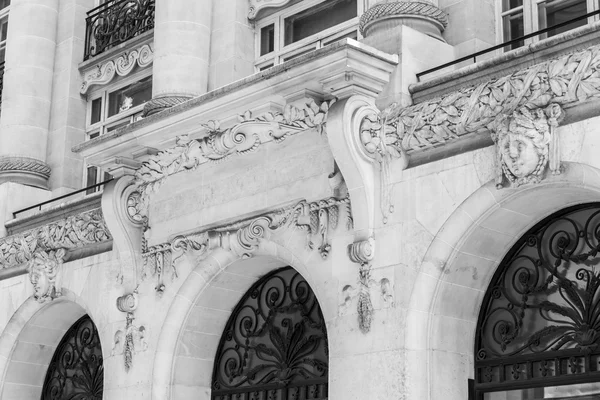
(43, 268)
(566, 80)
(72, 232)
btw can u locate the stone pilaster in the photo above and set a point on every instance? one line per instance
(181, 53)
(27, 91)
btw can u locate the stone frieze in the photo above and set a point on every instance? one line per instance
(72, 232)
(567, 80)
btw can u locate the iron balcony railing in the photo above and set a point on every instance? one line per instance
(115, 22)
(519, 40)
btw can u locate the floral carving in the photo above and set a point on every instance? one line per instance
(127, 340)
(69, 233)
(570, 79)
(244, 137)
(525, 142)
(121, 66)
(43, 269)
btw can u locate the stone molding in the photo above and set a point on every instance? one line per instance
(121, 65)
(25, 170)
(257, 5)
(397, 9)
(161, 103)
(565, 81)
(316, 219)
(73, 232)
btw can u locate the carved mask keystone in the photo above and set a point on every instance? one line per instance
(526, 144)
(43, 270)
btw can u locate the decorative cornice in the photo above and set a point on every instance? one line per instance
(244, 137)
(159, 104)
(564, 81)
(318, 219)
(258, 5)
(24, 164)
(70, 233)
(397, 9)
(121, 65)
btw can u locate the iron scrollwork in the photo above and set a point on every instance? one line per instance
(115, 22)
(541, 316)
(76, 370)
(274, 345)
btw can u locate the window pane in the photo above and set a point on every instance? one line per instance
(512, 26)
(96, 110)
(510, 4)
(118, 125)
(267, 39)
(556, 12)
(4, 4)
(3, 28)
(318, 18)
(92, 174)
(130, 96)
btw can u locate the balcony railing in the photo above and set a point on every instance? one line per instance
(115, 22)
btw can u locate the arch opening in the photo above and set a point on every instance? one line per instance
(538, 331)
(274, 344)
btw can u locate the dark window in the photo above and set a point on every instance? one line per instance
(91, 179)
(267, 39)
(274, 345)
(538, 332)
(513, 28)
(76, 370)
(556, 12)
(318, 18)
(96, 110)
(4, 4)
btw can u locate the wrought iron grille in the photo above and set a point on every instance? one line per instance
(539, 325)
(115, 22)
(274, 346)
(76, 370)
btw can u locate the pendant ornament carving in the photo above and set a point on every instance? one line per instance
(570, 79)
(72, 232)
(43, 269)
(132, 337)
(526, 144)
(121, 65)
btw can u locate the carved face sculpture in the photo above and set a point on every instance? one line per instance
(520, 154)
(42, 286)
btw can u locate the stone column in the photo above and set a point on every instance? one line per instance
(26, 96)
(181, 54)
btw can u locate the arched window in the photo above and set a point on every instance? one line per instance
(538, 333)
(274, 346)
(76, 370)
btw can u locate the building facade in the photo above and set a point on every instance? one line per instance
(300, 199)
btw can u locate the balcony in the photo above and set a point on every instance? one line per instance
(115, 22)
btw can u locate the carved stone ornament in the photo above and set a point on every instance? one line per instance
(362, 252)
(526, 144)
(570, 79)
(317, 219)
(129, 340)
(391, 9)
(121, 65)
(43, 269)
(72, 232)
(258, 5)
(29, 170)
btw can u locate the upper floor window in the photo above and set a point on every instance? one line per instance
(4, 8)
(520, 17)
(303, 27)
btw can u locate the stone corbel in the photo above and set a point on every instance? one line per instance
(43, 269)
(257, 5)
(131, 339)
(124, 210)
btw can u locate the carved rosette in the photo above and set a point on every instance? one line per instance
(362, 252)
(43, 269)
(121, 65)
(526, 144)
(25, 170)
